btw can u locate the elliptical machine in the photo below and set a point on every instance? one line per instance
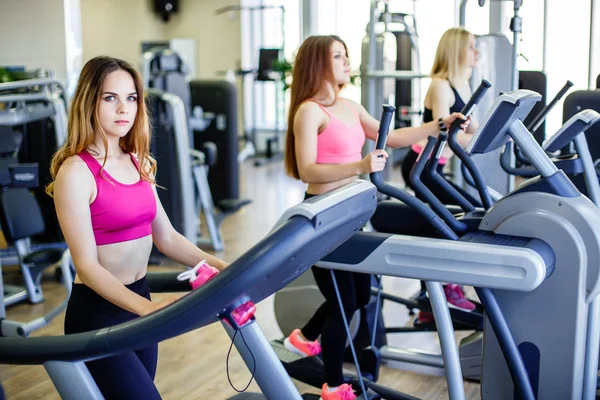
(165, 70)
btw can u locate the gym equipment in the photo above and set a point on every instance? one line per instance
(555, 358)
(209, 161)
(219, 100)
(304, 234)
(261, 71)
(369, 319)
(556, 234)
(572, 130)
(497, 64)
(574, 102)
(564, 379)
(391, 69)
(387, 254)
(289, 311)
(171, 147)
(22, 218)
(533, 122)
(578, 124)
(29, 108)
(37, 109)
(535, 81)
(397, 49)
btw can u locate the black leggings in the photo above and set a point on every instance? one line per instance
(124, 376)
(410, 160)
(355, 291)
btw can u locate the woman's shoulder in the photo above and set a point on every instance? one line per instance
(438, 83)
(310, 109)
(439, 91)
(355, 106)
(74, 170)
(73, 164)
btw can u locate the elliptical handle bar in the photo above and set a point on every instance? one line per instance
(399, 194)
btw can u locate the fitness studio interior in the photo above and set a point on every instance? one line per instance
(300, 199)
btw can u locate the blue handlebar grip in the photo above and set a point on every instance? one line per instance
(384, 126)
(470, 106)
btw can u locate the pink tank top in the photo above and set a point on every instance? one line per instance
(120, 212)
(339, 143)
(417, 148)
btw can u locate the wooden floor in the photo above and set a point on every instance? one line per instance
(193, 366)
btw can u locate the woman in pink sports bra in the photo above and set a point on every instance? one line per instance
(324, 144)
(110, 214)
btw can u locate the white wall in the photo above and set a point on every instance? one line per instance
(33, 34)
(218, 37)
(116, 28)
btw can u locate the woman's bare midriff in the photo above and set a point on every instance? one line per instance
(127, 261)
(320, 188)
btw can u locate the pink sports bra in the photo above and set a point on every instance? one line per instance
(339, 143)
(120, 212)
(417, 148)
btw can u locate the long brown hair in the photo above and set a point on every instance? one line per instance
(84, 120)
(451, 54)
(311, 70)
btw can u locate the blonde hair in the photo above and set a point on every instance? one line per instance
(84, 120)
(451, 54)
(312, 69)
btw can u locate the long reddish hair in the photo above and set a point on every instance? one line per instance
(311, 71)
(84, 121)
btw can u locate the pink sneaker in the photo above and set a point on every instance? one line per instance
(297, 345)
(424, 317)
(343, 392)
(456, 297)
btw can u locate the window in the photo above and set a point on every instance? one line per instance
(567, 40)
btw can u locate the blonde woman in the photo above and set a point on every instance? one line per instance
(448, 92)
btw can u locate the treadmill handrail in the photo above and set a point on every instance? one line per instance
(31, 113)
(267, 267)
(31, 82)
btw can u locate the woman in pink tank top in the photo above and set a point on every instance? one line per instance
(110, 214)
(324, 144)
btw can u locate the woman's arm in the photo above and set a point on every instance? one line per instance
(404, 137)
(307, 121)
(440, 100)
(73, 190)
(176, 246)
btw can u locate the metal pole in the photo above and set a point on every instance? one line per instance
(261, 38)
(591, 81)
(309, 18)
(516, 28)
(592, 347)
(253, 66)
(545, 37)
(371, 61)
(461, 13)
(515, 54)
(447, 339)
